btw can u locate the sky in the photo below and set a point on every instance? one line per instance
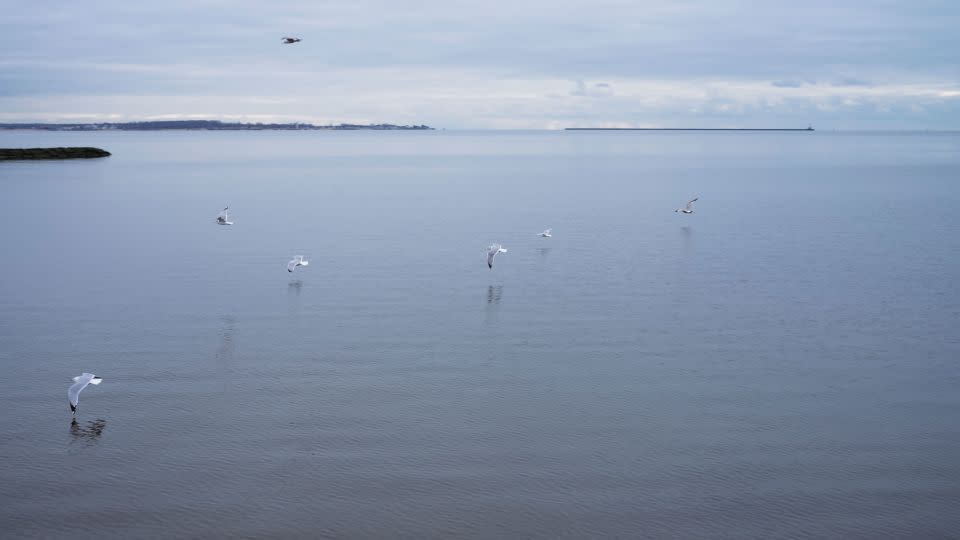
(456, 64)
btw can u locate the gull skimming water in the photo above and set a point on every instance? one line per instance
(688, 209)
(224, 218)
(546, 233)
(492, 252)
(79, 383)
(297, 261)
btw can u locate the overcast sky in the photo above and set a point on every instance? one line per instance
(487, 64)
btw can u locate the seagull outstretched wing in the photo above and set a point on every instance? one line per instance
(79, 383)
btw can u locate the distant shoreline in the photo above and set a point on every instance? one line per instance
(687, 129)
(204, 125)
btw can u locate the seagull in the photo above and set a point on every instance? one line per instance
(688, 209)
(297, 261)
(492, 252)
(289, 40)
(223, 218)
(79, 383)
(546, 233)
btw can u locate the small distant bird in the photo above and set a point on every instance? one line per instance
(492, 252)
(289, 40)
(546, 233)
(79, 383)
(688, 209)
(297, 261)
(223, 218)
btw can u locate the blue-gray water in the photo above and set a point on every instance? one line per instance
(782, 363)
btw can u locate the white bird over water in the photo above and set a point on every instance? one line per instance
(79, 383)
(223, 218)
(546, 233)
(492, 252)
(688, 209)
(297, 261)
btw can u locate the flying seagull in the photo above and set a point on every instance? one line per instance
(546, 233)
(492, 252)
(289, 40)
(688, 209)
(223, 218)
(79, 383)
(297, 261)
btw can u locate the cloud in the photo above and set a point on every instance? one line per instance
(849, 81)
(600, 89)
(787, 84)
(456, 63)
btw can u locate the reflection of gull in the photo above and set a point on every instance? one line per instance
(295, 262)
(688, 209)
(294, 287)
(226, 349)
(494, 294)
(492, 252)
(546, 233)
(223, 218)
(79, 383)
(90, 432)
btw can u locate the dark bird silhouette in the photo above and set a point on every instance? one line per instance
(289, 40)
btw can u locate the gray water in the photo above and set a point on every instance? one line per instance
(782, 363)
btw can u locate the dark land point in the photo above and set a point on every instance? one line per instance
(8, 154)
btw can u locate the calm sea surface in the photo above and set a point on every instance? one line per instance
(783, 363)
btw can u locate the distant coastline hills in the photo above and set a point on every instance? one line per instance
(214, 125)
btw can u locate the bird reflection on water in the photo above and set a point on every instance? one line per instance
(494, 294)
(89, 433)
(294, 287)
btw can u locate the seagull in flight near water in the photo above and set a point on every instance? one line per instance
(688, 209)
(492, 252)
(546, 233)
(289, 40)
(79, 383)
(297, 261)
(223, 218)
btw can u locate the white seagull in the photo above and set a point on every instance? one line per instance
(492, 252)
(297, 261)
(223, 218)
(546, 233)
(79, 383)
(688, 209)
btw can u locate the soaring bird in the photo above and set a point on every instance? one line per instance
(492, 252)
(289, 40)
(223, 218)
(297, 261)
(688, 209)
(546, 233)
(79, 383)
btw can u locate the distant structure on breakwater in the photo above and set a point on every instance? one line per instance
(808, 128)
